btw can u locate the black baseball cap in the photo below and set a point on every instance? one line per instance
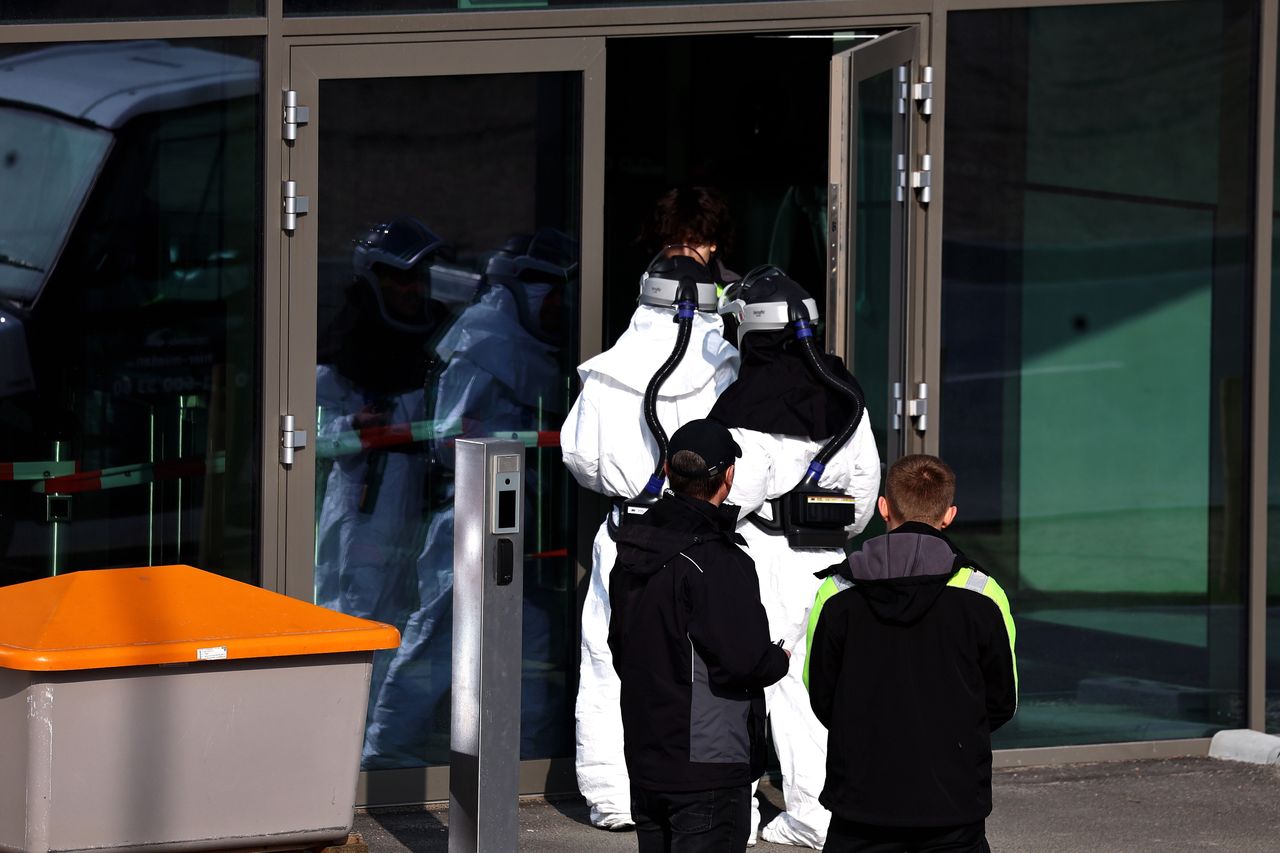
(708, 439)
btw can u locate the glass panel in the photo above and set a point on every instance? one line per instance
(448, 307)
(1096, 281)
(129, 293)
(64, 11)
(875, 312)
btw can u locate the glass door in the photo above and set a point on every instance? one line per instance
(434, 295)
(870, 208)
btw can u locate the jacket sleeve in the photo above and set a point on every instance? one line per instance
(999, 663)
(580, 438)
(866, 474)
(855, 470)
(752, 474)
(826, 658)
(728, 627)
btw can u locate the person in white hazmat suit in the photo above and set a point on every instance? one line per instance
(373, 362)
(501, 375)
(807, 480)
(610, 447)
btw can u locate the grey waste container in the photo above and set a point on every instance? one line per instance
(170, 708)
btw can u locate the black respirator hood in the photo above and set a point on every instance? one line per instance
(776, 390)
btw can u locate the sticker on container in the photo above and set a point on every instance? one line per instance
(212, 653)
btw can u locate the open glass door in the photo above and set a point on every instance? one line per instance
(433, 282)
(870, 204)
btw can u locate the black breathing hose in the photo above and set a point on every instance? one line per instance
(687, 304)
(799, 316)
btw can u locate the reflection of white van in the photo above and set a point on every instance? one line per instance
(60, 110)
(129, 234)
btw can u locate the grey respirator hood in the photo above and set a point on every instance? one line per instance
(766, 300)
(660, 283)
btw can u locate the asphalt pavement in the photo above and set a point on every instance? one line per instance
(1129, 806)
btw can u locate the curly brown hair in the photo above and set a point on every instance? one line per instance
(692, 215)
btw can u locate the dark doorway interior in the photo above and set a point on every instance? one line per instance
(745, 113)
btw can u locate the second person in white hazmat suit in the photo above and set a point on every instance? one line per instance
(609, 448)
(789, 404)
(501, 372)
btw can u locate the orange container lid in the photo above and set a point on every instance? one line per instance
(166, 614)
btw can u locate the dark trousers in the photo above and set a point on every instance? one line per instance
(847, 836)
(715, 821)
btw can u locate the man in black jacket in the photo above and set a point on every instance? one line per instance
(691, 645)
(910, 668)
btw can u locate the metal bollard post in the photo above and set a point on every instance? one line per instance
(488, 591)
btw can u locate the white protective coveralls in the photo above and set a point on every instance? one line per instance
(368, 527)
(497, 377)
(771, 465)
(608, 448)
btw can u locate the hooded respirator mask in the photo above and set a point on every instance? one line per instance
(767, 300)
(679, 282)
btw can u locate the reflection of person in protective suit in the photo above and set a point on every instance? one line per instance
(783, 414)
(502, 374)
(373, 365)
(609, 449)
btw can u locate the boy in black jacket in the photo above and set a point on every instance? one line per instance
(910, 668)
(691, 645)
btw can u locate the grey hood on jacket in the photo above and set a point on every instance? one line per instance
(902, 573)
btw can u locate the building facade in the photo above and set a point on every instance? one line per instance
(1040, 233)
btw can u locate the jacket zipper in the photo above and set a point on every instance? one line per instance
(691, 662)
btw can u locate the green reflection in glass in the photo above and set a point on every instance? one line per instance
(1095, 313)
(872, 313)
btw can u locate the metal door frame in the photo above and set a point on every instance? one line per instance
(305, 60)
(893, 50)
(308, 66)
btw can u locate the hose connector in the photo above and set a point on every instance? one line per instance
(654, 486)
(804, 329)
(814, 474)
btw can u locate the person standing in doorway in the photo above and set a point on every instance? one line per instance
(609, 448)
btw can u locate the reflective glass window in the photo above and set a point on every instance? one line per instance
(63, 11)
(448, 308)
(1095, 350)
(129, 291)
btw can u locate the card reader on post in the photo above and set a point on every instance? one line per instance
(504, 513)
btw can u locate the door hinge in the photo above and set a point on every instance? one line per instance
(897, 405)
(290, 439)
(918, 407)
(922, 92)
(292, 205)
(294, 115)
(900, 185)
(904, 90)
(922, 180)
